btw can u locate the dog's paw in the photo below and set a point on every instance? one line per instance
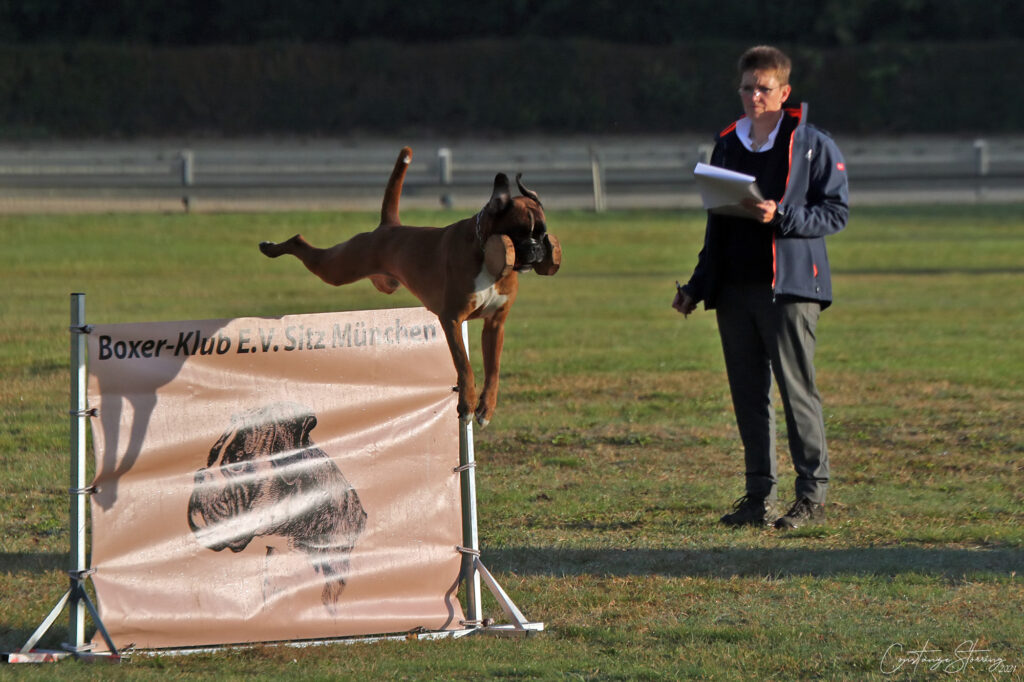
(482, 416)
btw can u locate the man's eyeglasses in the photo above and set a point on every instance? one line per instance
(751, 91)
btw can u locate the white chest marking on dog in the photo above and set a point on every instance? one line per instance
(486, 298)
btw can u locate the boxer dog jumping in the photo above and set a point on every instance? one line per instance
(467, 270)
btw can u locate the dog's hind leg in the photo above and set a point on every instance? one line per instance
(340, 264)
(292, 246)
(393, 192)
(358, 257)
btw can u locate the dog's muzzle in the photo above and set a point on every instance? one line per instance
(529, 252)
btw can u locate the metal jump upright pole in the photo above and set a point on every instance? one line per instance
(76, 598)
(473, 569)
(470, 536)
(78, 414)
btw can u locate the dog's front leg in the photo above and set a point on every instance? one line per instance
(465, 382)
(491, 341)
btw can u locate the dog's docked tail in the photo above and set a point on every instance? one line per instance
(393, 192)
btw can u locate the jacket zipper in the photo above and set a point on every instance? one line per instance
(789, 174)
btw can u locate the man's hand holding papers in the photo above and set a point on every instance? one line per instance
(730, 193)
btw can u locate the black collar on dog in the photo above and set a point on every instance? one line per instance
(479, 236)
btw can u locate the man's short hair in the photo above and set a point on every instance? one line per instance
(766, 58)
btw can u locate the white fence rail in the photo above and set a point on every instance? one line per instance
(569, 173)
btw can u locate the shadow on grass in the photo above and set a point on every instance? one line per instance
(932, 272)
(739, 562)
(33, 562)
(17, 564)
(708, 563)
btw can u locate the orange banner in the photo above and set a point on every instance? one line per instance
(265, 479)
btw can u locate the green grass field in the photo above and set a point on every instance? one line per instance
(613, 451)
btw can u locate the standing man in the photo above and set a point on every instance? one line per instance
(767, 278)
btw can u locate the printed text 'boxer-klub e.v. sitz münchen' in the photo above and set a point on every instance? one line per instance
(267, 340)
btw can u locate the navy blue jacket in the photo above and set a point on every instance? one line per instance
(815, 204)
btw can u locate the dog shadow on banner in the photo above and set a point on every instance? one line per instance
(110, 470)
(134, 393)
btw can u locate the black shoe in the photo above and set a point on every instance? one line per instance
(750, 511)
(802, 513)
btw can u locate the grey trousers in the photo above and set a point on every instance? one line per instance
(761, 338)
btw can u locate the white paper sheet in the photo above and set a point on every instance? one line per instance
(722, 190)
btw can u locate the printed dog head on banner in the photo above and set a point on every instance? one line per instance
(264, 476)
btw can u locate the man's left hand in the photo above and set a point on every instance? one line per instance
(761, 211)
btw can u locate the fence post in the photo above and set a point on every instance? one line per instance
(187, 176)
(444, 165)
(704, 153)
(981, 163)
(597, 174)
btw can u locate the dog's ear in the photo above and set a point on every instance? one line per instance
(218, 448)
(306, 425)
(289, 467)
(526, 192)
(501, 196)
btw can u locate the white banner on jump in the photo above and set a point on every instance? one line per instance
(264, 479)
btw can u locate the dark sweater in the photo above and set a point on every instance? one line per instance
(748, 243)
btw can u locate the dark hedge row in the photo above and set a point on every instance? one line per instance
(241, 22)
(488, 86)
